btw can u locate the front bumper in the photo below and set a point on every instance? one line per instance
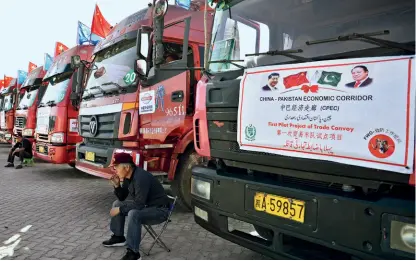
(62, 154)
(335, 226)
(102, 158)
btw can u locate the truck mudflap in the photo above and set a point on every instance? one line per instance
(334, 225)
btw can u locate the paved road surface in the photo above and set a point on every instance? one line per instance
(55, 212)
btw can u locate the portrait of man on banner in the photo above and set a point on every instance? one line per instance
(360, 76)
(273, 80)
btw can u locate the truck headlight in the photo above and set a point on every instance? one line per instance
(402, 236)
(57, 137)
(27, 132)
(201, 188)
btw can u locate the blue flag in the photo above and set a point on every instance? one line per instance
(21, 76)
(85, 36)
(184, 3)
(48, 61)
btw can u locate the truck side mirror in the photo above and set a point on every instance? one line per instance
(140, 67)
(75, 62)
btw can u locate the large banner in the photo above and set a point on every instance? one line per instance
(353, 111)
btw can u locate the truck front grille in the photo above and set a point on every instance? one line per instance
(20, 122)
(108, 125)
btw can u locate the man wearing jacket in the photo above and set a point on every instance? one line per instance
(150, 204)
(22, 149)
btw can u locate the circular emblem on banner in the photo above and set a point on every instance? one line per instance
(381, 146)
(250, 132)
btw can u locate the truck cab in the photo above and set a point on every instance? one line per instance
(57, 117)
(7, 115)
(31, 93)
(136, 105)
(277, 71)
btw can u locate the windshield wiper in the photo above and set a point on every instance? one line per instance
(368, 38)
(233, 62)
(51, 103)
(25, 107)
(287, 53)
(116, 84)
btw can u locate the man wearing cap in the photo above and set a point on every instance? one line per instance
(149, 204)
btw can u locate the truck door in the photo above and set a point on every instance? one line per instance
(170, 90)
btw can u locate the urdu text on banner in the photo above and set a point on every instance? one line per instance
(353, 111)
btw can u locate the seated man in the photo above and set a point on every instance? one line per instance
(149, 204)
(171, 57)
(22, 149)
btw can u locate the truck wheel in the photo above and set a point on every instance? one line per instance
(181, 186)
(264, 232)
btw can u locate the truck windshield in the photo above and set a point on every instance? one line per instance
(56, 90)
(28, 99)
(113, 70)
(250, 27)
(8, 103)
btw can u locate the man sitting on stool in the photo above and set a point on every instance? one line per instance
(150, 204)
(22, 149)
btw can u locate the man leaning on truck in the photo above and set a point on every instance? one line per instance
(150, 204)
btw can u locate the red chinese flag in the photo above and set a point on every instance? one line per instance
(99, 26)
(295, 80)
(7, 80)
(1, 84)
(60, 48)
(32, 66)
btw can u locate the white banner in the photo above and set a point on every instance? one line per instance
(354, 111)
(147, 103)
(42, 120)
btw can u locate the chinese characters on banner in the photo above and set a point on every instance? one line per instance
(355, 111)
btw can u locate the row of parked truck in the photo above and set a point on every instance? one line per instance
(211, 131)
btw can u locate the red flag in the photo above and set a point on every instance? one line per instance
(295, 80)
(32, 66)
(60, 48)
(7, 80)
(99, 26)
(1, 84)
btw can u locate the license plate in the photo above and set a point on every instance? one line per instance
(41, 149)
(90, 156)
(280, 206)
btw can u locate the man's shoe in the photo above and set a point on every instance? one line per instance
(131, 255)
(9, 165)
(115, 241)
(19, 166)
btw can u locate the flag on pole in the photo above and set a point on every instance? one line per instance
(60, 48)
(99, 26)
(21, 76)
(85, 36)
(1, 84)
(48, 61)
(183, 3)
(32, 66)
(7, 80)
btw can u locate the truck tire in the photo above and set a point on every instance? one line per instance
(181, 185)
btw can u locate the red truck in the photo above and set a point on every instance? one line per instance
(310, 152)
(57, 117)
(31, 92)
(150, 117)
(10, 96)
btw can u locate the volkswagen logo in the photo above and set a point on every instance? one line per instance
(94, 126)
